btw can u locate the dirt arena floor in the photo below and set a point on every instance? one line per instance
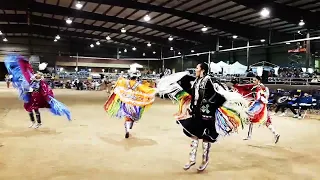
(92, 146)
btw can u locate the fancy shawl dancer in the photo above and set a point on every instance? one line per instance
(33, 90)
(129, 100)
(258, 111)
(206, 109)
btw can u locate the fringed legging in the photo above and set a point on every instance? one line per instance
(268, 124)
(38, 116)
(128, 123)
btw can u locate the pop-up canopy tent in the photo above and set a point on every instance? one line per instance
(222, 64)
(224, 67)
(215, 68)
(134, 67)
(237, 68)
(264, 65)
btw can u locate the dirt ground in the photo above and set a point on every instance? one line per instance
(92, 146)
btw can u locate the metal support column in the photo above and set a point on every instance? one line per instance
(248, 53)
(161, 58)
(308, 53)
(182, 63)
(77, 68)
(217, 47)
(29, 22)
(209, 58)
(232, 53)
(118, 56)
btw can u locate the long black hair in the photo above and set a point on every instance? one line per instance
(259, 78)
(205, 68)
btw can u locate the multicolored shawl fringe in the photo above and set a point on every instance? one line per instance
(116, 108)
(59, 109)
(125, 102)
(22, 72)
(258, 112)
(184, 100)
(229, 118)
(228, 121)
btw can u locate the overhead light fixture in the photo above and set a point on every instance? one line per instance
(170, 38)
(263, 40)
(204, 29)
(0, 33)
(149, 44)
(108, 38)
(144, 54)
(220, 46)
(171, 49)
(58, 37)
(5, 39)
(89, 70)
(91, 45)
(68, 21)
(123, 30)
(98, 43)
(147, 18)
(134, 48)
(79, 5)
(119, 52)
(301, 23)
(265, 12)
(154, 52)
(179, 53)
(234, 36)
(125, 50)
(192, 50)
(288, 43)
(55, 40)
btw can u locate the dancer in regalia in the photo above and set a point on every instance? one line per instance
(8, 79)
(258, 111)
(206, 109)
(129, 100)
(33, 90)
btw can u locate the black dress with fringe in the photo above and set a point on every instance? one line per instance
(203, 109)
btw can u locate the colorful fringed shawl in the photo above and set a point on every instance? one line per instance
(22, 73)
(229, 117)
(257, 94)
(130, 99)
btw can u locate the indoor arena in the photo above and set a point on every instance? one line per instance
(159, 89)
(92, 145)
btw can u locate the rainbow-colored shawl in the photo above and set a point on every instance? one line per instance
(130, 99)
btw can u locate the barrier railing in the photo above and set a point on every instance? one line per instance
(275, 80)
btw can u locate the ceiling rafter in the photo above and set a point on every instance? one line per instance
(51, 9)
(79, 46)
(61, 23)
(153, 39)
(231, 27)
(36, 29)
(288, 13)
